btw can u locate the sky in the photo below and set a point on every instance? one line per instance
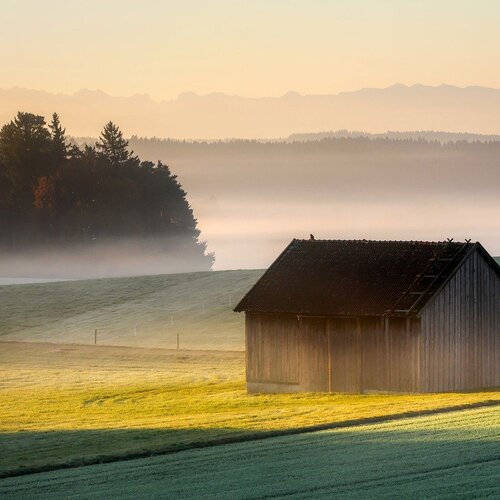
(249, 48)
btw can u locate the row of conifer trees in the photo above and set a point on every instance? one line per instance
(54, 193)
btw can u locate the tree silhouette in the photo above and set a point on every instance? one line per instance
(113, 146)
(59, 145)
(25, 153)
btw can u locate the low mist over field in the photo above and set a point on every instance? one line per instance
(119, 257)
(251, 198)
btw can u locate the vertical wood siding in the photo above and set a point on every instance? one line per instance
(287, 354)
(345, 355)
(461, 331)
(272, 354)
(390, 354)
(314, 352)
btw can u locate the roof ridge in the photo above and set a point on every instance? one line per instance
(363, 240)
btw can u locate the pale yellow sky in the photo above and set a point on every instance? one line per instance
(249, 48)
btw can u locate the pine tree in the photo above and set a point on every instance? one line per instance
(113, 146)
(58, 134)
(25, 154)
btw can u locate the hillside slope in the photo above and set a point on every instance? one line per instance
(147, 311)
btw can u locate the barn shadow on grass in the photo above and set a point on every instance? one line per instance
(28, 452)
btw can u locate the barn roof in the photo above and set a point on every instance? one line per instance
(356, 277)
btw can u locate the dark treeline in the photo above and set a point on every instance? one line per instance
(155, 147)
(428, 135)
(53, 194)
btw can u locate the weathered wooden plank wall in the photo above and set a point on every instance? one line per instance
(286, 354)
(461, 331)
(345, 355)
(272, 353)
(313, 348)
(390, 353)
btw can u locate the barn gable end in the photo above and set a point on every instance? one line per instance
(460, 334)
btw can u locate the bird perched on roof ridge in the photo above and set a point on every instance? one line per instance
(311, 237)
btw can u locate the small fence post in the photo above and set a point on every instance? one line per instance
(95, 336)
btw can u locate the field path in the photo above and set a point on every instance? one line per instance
(453, 455)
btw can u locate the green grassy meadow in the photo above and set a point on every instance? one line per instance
(67, 405)
(145, 311)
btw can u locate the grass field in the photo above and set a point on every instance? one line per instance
(146, 311)
(64, 405)
(454, 455)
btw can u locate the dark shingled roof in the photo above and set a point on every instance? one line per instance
(355, 277)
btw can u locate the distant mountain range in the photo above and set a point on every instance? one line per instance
(219, 116)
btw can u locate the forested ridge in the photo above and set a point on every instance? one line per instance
(355, 144)
(53, 193)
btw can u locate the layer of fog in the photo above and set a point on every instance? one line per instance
(26, 280)
(124, 257)
(250, 203)
(249, 207)
(253, 236)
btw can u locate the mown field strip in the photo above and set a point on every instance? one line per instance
(454, 455)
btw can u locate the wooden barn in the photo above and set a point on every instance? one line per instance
(361, 316)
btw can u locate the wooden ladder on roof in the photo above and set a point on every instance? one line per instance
(424, 283)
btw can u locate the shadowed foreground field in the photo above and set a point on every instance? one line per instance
(68, 405)
(453, 455)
